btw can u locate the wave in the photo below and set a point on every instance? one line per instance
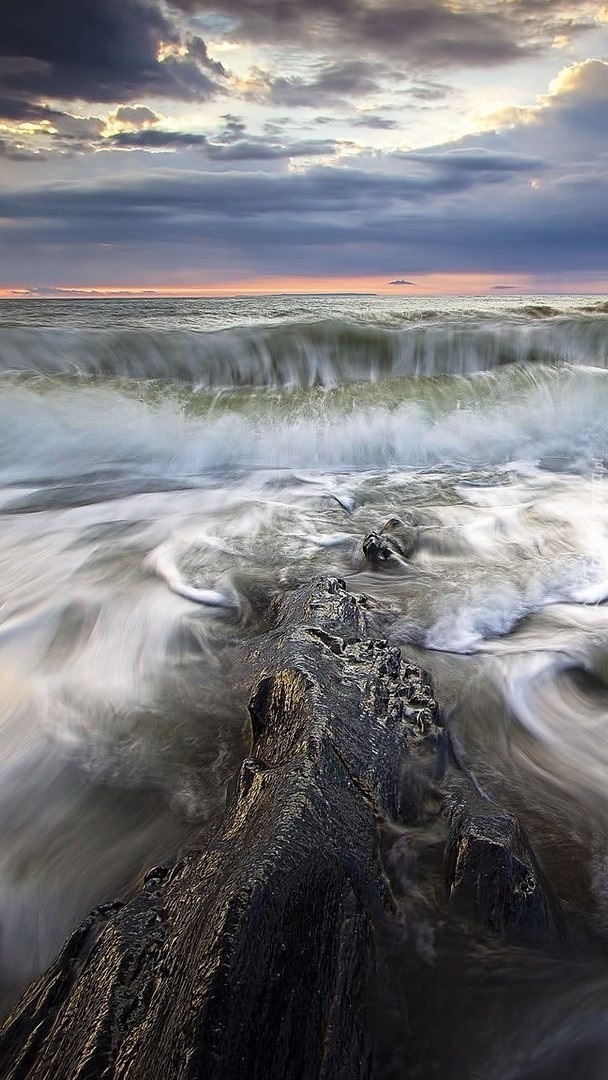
(600, 308)
(99, 432)
(323, 353)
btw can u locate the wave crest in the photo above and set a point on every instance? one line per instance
(305, 354)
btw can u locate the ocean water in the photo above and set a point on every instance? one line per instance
(167, 465)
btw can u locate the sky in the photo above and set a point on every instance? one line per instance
(222, 146)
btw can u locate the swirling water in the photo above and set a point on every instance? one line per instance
(165, 466)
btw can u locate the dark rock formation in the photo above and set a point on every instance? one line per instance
(492, 874)
(256, 957)
(394, 544)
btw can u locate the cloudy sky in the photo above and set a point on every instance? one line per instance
(261, 145)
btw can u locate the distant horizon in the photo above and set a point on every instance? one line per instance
(466, 285)
(110, 296)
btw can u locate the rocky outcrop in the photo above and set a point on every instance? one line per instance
(256, 956)
(492, 874)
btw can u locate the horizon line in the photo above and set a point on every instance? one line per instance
(152, 295)
(424, 284)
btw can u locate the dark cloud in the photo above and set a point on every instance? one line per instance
(18, 109)
(421, 32)
(56, 131)
(478, 160)
(13, 151)
(371, 120)
(100, 51)
(429, 91)
(163, 197)
(233, 130)
(76, 132)
(251, 148)
(136, 116)
(386, 203)
(258, 149)
(139, 128)
(333, 83)
(340, 220)
(401, 281)
(153, 139)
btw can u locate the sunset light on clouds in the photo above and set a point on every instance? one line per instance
(230, 146)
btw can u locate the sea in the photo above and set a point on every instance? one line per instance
(168, 465)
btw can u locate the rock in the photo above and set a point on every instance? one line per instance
(256, 956)
(395, 543)
(403, 535)
(492, 874)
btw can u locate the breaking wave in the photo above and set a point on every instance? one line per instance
(555, 416)
(323, 353)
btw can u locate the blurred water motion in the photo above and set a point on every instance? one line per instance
(160, 480)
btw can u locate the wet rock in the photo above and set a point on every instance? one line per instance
(402, 535)
(394, 544)
(376, 548)
(256, 956)
(492, 874)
